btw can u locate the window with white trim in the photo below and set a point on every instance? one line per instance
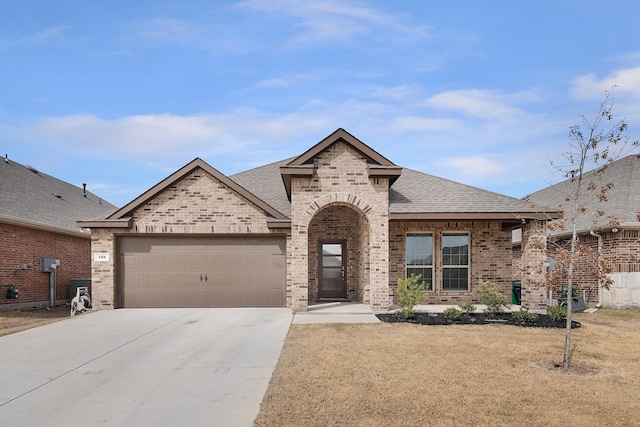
(420, 257)
(455, 262)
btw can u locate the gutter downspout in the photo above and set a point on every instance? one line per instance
(599, 236)
(52, 288)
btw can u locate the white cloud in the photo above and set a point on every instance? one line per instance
(166, 136)
(483, 104)
(589, 87)
(474, 166)
(41, 38)
(337, 21)
(162, 32)
(425, 125)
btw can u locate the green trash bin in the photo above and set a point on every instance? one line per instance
(516, 292)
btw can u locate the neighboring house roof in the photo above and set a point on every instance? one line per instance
(412, 195)
(622, 200)
(34, 199)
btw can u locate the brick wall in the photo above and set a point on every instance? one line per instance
(20, 245)
(533, 264)
(341, 178)
(491, 257)
(196, 204)
(621, 249)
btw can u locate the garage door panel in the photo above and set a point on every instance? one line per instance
(189, 271)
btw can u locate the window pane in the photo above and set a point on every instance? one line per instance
(419, 249)
(427, 275)
(455, 249)
(331, 249)
(455, 279)
(331, 261)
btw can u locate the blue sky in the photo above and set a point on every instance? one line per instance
(120, 94)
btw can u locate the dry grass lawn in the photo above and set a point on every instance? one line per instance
(12, 321)
(412, 375)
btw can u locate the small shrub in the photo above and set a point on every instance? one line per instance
(466, 307)
(557, 313)
(490, 295)
(410, 292)
(524, 316)
(452, 313)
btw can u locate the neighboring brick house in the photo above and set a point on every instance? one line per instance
(619, 240)
(38, 215)
(339, 222)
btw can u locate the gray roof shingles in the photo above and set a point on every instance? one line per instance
(31, 196)
(623, 199)
(413, 192)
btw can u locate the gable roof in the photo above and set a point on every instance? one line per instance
(379, 166)
(414, 195)
(623, 199)
(267, 182)
(417, 195)
(341, 135)
(34, 199)
(123, 216)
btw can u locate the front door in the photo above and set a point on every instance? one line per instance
(332, 269)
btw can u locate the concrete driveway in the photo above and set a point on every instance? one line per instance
(142, 367)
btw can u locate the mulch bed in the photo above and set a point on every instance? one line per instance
(438, 319)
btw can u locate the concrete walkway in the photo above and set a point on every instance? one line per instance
(142, 367)
(336, 312)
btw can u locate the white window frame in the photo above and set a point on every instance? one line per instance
(466, 266)
(431, 284)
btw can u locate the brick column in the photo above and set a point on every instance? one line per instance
(299, 274)
(379, 261)
(534, 270)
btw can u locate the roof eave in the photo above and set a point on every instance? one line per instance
(448, 216)
(45, 227)
(107, 223)
(278, 224)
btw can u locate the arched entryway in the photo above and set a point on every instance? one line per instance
(339, 255)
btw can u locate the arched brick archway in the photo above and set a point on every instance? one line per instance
(341, 226)
(334, 216)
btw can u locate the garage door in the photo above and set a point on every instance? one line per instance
(201, 271)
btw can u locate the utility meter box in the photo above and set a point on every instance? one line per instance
(47, 264)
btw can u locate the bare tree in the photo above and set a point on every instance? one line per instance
(594, 143)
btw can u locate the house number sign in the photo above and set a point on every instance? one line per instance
(101, 256)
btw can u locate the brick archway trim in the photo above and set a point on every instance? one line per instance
(341, 198)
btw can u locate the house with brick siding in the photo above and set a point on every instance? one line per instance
(38, 215)
(339, 222)
(616, 233)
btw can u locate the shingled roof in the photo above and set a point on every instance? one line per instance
(414, 195)
(623, 199)
(34, 199)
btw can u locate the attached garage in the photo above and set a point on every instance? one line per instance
(200, 271)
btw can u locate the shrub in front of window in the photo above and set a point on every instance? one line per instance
(524, 316)
(410, 292)
(557, 313)
(452, 313)
(490, 295)
(466, 307)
